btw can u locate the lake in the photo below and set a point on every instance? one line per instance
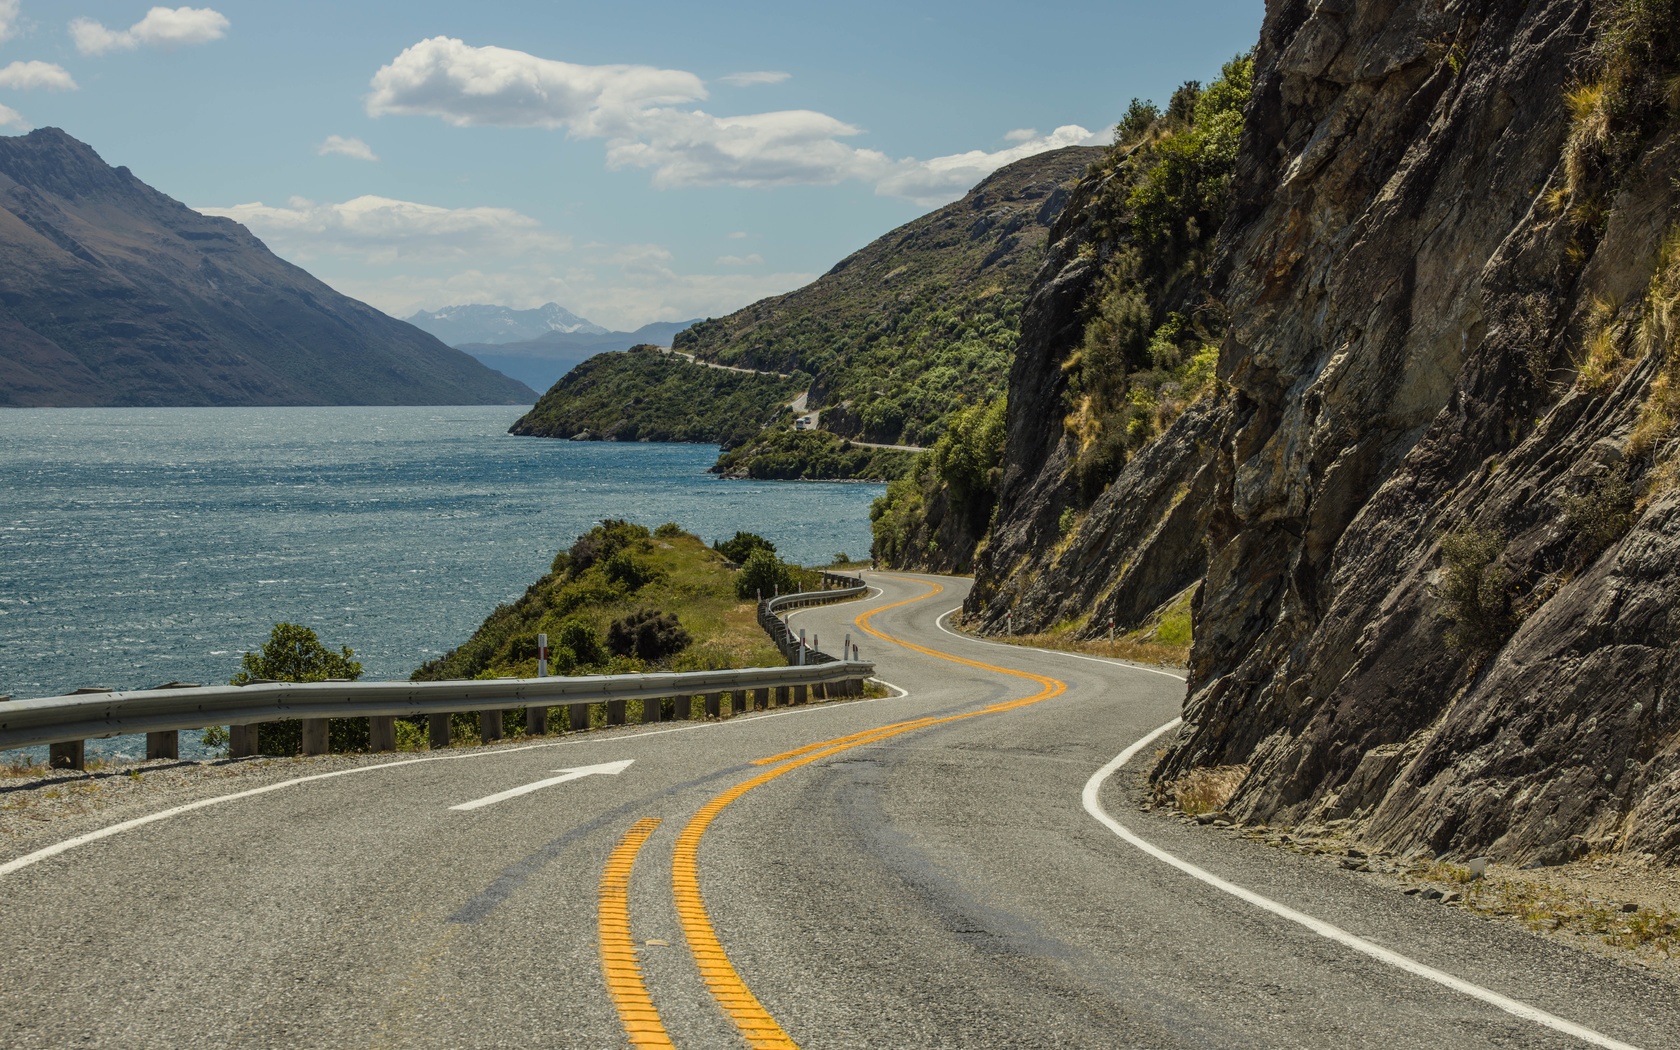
(141, 546)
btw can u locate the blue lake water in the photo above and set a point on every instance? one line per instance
(141, 546)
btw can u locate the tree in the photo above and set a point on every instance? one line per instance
(764, 574)
(741, 547)
(294, 654)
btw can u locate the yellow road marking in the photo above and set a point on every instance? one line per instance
(618, 951)
(754, 1022)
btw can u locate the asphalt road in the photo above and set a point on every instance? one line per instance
(936, 881)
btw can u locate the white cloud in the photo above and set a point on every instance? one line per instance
(647, 119)
(1021, 135)
(945, 179)
(754, 79)
(26, 76)
(10, 117)
(338, 144)
(754, 259)
(162, 27)
(467, 86)
(381, 231)
(8, 19)
(738, 235)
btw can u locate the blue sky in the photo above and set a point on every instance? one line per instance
(634, 161)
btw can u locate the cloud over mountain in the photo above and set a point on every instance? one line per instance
(648, 119)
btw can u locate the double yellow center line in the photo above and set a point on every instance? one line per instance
(751, 1019)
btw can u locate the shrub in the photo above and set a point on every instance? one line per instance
(668, 531)
(741, 546)
(1476, 589)
(649, 635)
(603, 541)
(577, 637)
(294, 654)
(1601, 515)
(633, 573)
(764, 574)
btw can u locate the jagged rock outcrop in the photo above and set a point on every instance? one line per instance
(1433, 335)
(113, 294)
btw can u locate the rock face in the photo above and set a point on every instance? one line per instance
(113, 294)
(1407, 299)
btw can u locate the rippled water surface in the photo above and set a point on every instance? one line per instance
(140, 546)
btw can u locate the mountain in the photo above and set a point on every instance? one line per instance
(1428, 516)
(539, 363)
(113, 294)
(889, 343)
(477, 323)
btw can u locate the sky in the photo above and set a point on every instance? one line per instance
(633, 161)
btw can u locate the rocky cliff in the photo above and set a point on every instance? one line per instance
(1438, 492)
(113, 294)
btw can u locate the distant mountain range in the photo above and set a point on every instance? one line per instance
(478, 323)
(112, 293)
(540, 362)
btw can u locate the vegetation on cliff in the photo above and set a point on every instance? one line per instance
(1141, 230)
(781, 454)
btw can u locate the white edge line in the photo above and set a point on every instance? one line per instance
(590, 737)
(1093, 806)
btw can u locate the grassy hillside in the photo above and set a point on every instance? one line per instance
(891, 341)
(643, 394)
(919, 322)
(610, 574)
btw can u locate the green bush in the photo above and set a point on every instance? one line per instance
(294, 654)
(1476, 589)
(628, 571)
(765, 575)
(648, 635)
(741, 546)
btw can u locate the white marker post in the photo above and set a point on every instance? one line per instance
(542, 656)
(802, 647)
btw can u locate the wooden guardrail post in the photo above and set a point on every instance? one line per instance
(70, 754)
(714, 705)
(578, 719)
(163, 745)
(650, 710)
(489, 726)
(800, 694)
(315, 736)
(242, 741)
(536, 721)
(615, 712)
(684, 707)
(382, 732)
(437, 731)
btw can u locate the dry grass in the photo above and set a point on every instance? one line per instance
(1589, 131)
(1203, 790)
(1601, 357)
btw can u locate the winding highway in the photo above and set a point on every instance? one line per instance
(962, 864)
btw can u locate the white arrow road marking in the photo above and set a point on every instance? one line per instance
(608, 768)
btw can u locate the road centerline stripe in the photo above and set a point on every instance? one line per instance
(619, 966)
(754, 1022)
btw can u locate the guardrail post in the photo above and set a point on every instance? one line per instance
(650, 710)
(579, 717)
(714, 705)
(760, 700)
(242, 741)
(489, 726)
(437, 731)
(800, 694)
(615, 712)
(166, 744)
(536, 721)
(382, 732)
(71, 754)
(315, 737)
(684, 707)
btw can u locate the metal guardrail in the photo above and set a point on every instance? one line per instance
(837, 587)
(67, 722)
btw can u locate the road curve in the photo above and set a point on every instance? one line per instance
(923, 870)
